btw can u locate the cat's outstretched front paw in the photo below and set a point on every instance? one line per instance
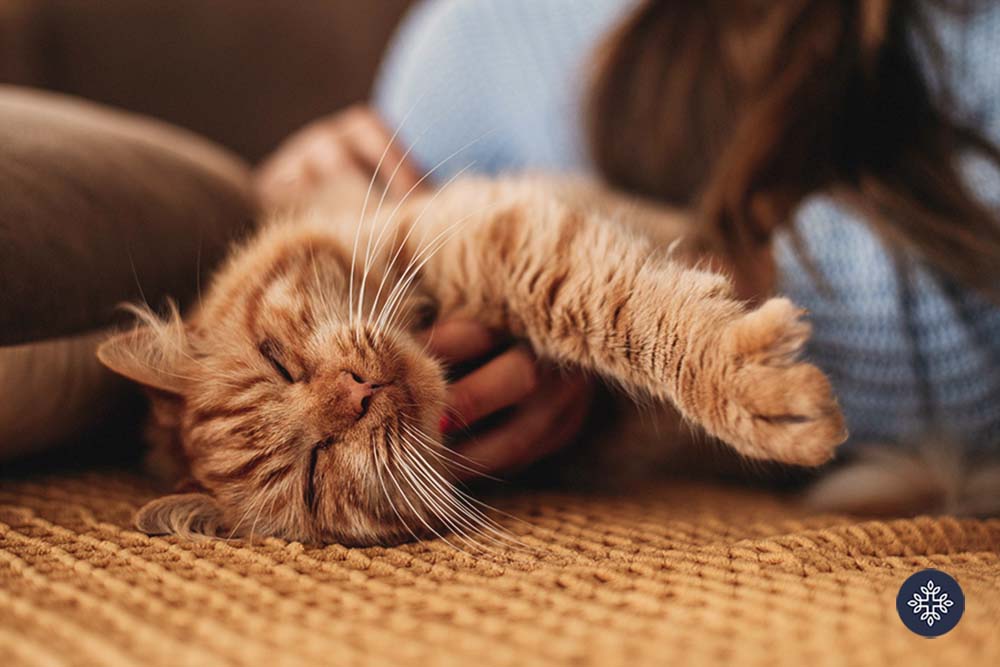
(776, 407)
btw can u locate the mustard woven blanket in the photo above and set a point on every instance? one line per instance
(686, 574)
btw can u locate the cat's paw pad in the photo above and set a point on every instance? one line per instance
(777, 407)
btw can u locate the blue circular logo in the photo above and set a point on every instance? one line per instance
(930, 603)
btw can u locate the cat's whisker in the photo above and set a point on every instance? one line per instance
(265, 498)
(414, 225)
(445, 454)
(434, 246)
(427, 438)
(438, 450)
(427, 495)
(430, 172)
(416, 513)
(256, 504)
(491, 508)
(399, 292)
(364, 206)
(469, 526)
(377, 332)
(379, 466)
(243, 517)
(438, 509)
(385, 465)
(412, 189)
(371, 255)
(253, 526)
(383, 227)
(458, 490)
(411, 456)
(480, 520)
(415, 186)
(459, 513)
(452, 463)
(468, 532)
(421, 250)
(197, 266)
(138, 284)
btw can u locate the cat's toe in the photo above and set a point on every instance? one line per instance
(773, 333)
(788, 414)
(779, 408)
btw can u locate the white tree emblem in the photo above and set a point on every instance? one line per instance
(930, 602)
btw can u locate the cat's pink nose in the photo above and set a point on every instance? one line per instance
(359, 393)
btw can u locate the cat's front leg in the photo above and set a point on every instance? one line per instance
(678, 334)
(585, 291)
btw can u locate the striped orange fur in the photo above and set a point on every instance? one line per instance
(302, 406)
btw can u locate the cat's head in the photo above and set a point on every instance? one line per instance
(291, 414)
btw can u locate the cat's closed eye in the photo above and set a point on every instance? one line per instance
(271, 350)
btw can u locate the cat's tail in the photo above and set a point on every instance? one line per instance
(938, 476)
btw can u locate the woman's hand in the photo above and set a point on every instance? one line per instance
(548, 405)
(350, 141)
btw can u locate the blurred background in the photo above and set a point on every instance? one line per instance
(242, 72)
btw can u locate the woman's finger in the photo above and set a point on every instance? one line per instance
(567, 426)
(456, 341)
(498, 384)
(300, 165)
(542, 425)
(327, 155)
(369, 139)
(352, 140)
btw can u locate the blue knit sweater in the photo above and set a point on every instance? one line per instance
(504, 81)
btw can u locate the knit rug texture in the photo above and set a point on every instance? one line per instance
(683, 573)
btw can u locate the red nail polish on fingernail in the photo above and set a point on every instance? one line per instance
(447, 424)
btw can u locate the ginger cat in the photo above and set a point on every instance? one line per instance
(295, 401)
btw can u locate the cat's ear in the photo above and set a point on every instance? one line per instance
(184, 514)
(146, 355)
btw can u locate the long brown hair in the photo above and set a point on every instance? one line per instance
(740, 109)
